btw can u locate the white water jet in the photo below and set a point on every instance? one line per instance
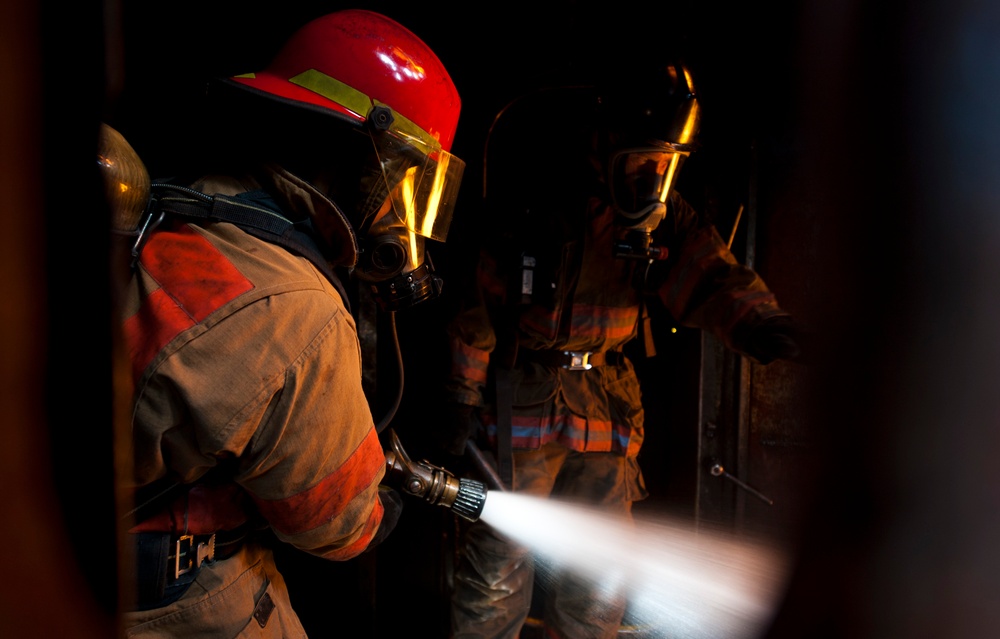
(680, 582)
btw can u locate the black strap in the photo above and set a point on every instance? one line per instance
(156, 562)
(505, 426)
(152, 551)
(156, 585)
(645, 330)
(504, 359)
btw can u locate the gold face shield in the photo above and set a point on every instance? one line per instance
(641, 179)
(423, 179)
(421, 182)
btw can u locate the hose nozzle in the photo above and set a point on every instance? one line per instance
(466, 497)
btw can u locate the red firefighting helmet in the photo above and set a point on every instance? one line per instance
(372, 72)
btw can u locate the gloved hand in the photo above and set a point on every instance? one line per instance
(392, 508)
(774, 338)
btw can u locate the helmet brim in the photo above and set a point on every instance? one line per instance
(269, 87)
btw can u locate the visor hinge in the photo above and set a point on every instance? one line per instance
(380, 118)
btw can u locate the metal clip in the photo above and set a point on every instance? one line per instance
(578, 360)
(148, 225)
(189, 556)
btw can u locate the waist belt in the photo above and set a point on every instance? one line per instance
(570, 360)
(167, 564)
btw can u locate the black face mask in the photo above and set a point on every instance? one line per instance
(392, 261)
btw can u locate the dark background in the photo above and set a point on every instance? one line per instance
(871, 131)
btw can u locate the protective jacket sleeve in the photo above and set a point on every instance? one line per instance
(702, 284)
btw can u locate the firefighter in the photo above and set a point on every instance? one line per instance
(596, 238)
(249, 421)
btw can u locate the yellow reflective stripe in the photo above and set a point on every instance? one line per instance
(249, 76)
(349, 97)
(406, 126)
(334, 89)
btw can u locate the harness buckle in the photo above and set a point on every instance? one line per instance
(578, 360)
(190, 555)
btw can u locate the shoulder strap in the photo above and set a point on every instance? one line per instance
(256, 213)
(505, 426)
(504, 359)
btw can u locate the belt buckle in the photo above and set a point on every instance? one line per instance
(189, 555)
(578, 360)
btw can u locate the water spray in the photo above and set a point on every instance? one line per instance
(681, 580)
(435, 485)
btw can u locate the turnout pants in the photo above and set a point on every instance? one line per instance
(494, 577)
(240, 597)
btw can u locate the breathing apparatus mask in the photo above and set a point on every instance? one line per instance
(409, 200)
(640, 181)
(650, 130)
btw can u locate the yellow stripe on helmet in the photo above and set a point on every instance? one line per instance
(359, 103)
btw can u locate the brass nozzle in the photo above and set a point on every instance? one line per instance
(435, 485)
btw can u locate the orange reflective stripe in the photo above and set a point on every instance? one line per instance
(158, 321)
(573, 432)
(329, 498)
(195, 280)
(200, 509)
(603, 321)
(468, 362)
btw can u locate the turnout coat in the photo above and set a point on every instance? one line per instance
(246, 368)
(585, 300)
